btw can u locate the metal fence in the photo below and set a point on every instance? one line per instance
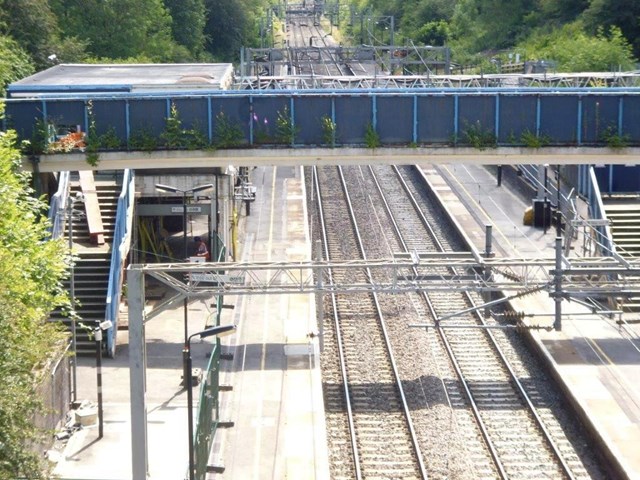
(55, 392)
(207, 418)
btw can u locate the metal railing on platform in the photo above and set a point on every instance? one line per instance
(207, 418)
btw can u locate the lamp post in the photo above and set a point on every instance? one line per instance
(199, 188)
(97, 335)
(70, 212)
(186, 353)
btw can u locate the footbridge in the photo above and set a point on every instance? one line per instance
(197, 128)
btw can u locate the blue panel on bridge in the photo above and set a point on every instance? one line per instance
(70, 114)
(599, 116)
(631, 117)
(147, 116)
(234, 110)
(353, 114)
(477, 113)
(111, 114)
(558, 118)
(395, 119)
(268, 107)
(309, 113)
(570, 117)
(516, 118)
(193, 113)
(22, 117)
(618, 178)
(435, 119)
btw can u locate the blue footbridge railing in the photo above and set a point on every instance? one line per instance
(57, 206)
(119, 253)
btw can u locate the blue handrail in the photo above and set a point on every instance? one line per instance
(57, 206)
(604, 238)
(119, 252)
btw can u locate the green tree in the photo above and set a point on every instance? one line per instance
(15, 63)
(187, 24)
(31, 270)
(481, 25)
(624, 14)
(119, 28)
(576, 51)
(227, 27)
(32, 24)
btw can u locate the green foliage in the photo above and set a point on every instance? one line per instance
(478, 137)
(31, 273)
(613, 139)
(187, 24)
(531, 140)
(575, 51)
(120, 28)
(14, 63)
(261, 130)
(227, 133)
(231, 25)
(173, 131)
(371, 137)
(286, 131)
(624, 15)
(175, 136)
(329, 128)
(143, 139)
(39, 138)
(33, 25)
(110, 140)
(92, 139)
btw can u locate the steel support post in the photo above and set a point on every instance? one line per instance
(488, 253)
(186, 355)
(137, 377)
(98, 339)
(557, 324)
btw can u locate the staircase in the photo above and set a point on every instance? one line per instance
(624, 214)
(92, 251)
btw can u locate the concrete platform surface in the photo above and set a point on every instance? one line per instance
(597, 360)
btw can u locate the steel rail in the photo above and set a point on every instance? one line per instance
(342, 360)
(394, 367)
(520, 389)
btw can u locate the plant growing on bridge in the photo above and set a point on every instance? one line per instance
(613, 139)
(531, 140)
(286, 131)
(261, 133)
(143, 139)
(371, 137)
(479, 137)
(227, 133)
(92, 140)
(329, 128)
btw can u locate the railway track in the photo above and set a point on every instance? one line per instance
(368, 420)
(476, 410)
(311, 53)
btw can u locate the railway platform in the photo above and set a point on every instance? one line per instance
(276, 403)
(596, 361)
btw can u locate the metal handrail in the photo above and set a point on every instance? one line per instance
(119, 252)
(597, 211)
(57, 206)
